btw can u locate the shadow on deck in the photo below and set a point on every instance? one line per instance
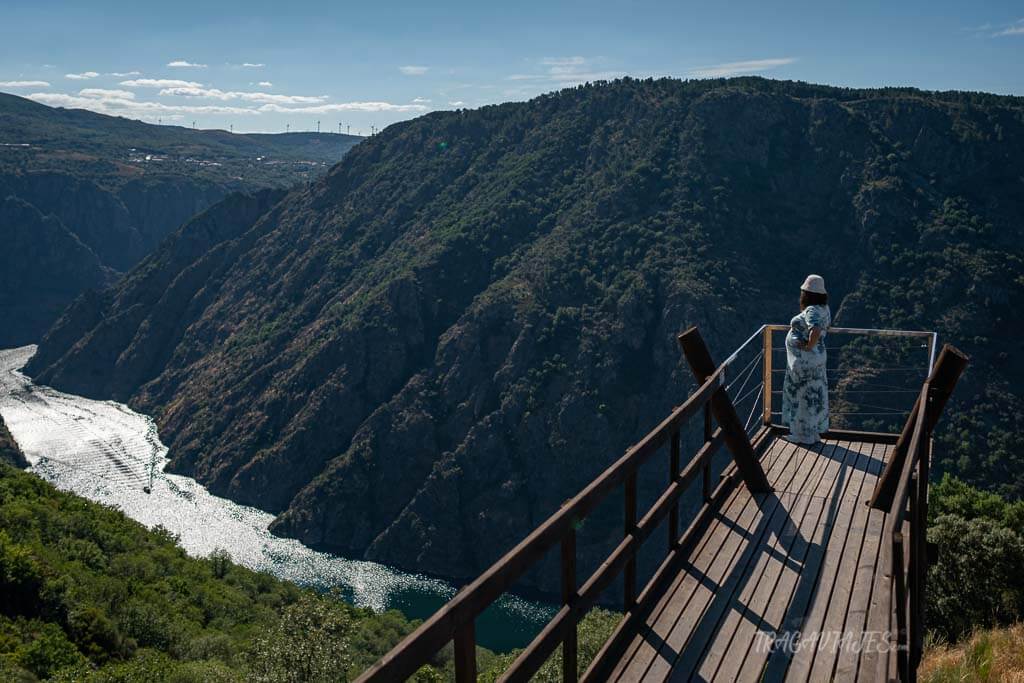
(780, 585)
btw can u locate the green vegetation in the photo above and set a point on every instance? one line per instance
(89, 595)
(113, 150)
(594, 630)
(977, 582)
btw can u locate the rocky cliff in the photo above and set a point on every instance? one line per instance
(418, 357)
(9, 451)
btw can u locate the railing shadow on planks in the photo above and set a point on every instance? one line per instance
(901, 492)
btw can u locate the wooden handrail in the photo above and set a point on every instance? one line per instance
(450, 622)
(942, 379)
(902, 493)
(897, 509)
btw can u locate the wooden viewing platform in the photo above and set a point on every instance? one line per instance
(803, 563)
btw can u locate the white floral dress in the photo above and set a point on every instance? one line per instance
(805, 392)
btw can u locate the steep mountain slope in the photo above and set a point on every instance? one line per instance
(418, 357)
(43, 257)
(119, 187)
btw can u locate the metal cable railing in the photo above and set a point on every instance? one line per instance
(874, 375)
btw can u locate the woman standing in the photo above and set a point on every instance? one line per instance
(805, 392)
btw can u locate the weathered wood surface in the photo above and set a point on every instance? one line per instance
(802, 558)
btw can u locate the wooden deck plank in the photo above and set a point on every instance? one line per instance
(872, 664)
(772, 559)
(679, 647)
(863, 584)
(795, 518)
(648, 643)
(804, 557)
(642, 646)
(860, 558)
(810, 603)
(783, 611)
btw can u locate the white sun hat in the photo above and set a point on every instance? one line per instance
(814, 283)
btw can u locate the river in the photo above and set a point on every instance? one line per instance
(106, 452)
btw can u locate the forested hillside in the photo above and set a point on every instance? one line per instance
(418, 357)
(93, 194)
(89, 595)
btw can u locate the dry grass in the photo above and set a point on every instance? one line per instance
(996, 655)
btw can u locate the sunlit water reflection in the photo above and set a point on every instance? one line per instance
(105, 452)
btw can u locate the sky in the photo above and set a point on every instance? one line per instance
(270, 67)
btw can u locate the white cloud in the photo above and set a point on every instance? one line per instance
(184, 64)
(342, 106)
(160, 83)
(265, 84)
(104, 94)
(124, 74)
(737, 68)
(420, 100)
(24, 84)
(261, 97)
(457, 103)
(568, 71)
(129, 107)
(412, 70)
(564, 61)
(84, 76)
(252, 65)
(1014, 29)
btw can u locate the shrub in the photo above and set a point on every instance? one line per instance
(48, 652)
(309, 643)
(20, 578)
(977, 580)
(220, 562)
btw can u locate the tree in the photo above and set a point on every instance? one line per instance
(977, 580)
(308, 644)
(220, 562)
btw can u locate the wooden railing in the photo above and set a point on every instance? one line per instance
(902, 492)
(455, 621)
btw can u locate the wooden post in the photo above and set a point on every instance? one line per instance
(921, 520)
(465, 652)
(947, 371)
(673, 474)
(629, 572)
(914, 606)
(899, 578)
(706, 470)
(767, 379)
(570, 644)
(702, 366)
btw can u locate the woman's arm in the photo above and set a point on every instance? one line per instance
(812, 338)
